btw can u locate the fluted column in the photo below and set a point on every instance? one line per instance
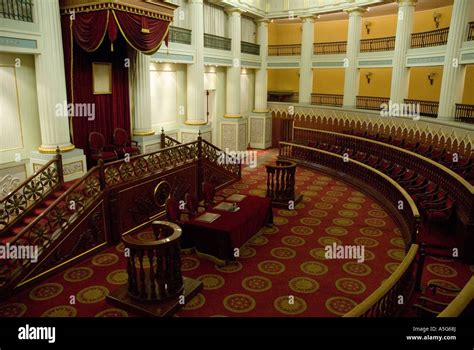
(306, 58)
(196, 114)
(261, 75)
(399, 86)
(233, 72)
(351, 81)
(142, 97)
(51, 81)
(451, 89)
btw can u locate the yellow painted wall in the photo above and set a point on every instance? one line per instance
(424, 19)
(283, 80)
(330, 31)
(380, 82)
(381, 27)
(420, 87)
(468, 96)
(284, 33)
(328, 81)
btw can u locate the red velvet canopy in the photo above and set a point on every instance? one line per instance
(144, 34)
(105, 35)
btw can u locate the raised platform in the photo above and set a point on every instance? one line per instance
(120, 298)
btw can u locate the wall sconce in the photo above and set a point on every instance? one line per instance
(431, 77)
(367, 26)
(368, 76)
(436, 18)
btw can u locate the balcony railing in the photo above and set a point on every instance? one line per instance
(334, 48)
(19, 10)
(427, 39)
(470, 32)
(250, 48)
(180, 35)
(427, 108)
(465, 113)
(217, 42)
(379, 44)
(283, 96)
(284, 50)
(371, 102)
(327, 100)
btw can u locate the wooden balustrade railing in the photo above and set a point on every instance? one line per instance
(372, 180)
(250, 48)
(464, 113)
(327, 100)
(379, 44)
(460, 302)
(65, 213)
(30, 192)
(154, 266)
(53, 222)
(18, 10)
(334, 48)
(281, 182)
(384, 301)
(459, 188)
(284, 50)
(217, 42)
(470, 33)
(371, 102)
(427, 108)
(167, 141)
(432, 38)
(180, 35)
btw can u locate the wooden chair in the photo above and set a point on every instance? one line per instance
(123, 145)
(99, 149)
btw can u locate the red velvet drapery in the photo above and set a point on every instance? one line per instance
(102, 36)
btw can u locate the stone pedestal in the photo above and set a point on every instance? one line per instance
(260, 130)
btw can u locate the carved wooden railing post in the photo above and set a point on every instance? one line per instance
(162, 138)
(59, 158)
(200, 166)
(100, 164)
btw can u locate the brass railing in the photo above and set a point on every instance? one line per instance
(384, 301)
(337, 47)
(30, 192)
(180, 35)
(427, 108)
(217, 42)
(432, 38)
(371, 102)
(19, 10)
(327, 100)
(380, 184)
(461, 302)
(250, 48)
(470, 33)
(379, 44)
(284, 50)
(465, 113)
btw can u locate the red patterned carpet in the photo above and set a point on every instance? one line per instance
(282, 270)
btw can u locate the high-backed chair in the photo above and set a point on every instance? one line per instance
(100, 150)
(123, 145)
(208, 191)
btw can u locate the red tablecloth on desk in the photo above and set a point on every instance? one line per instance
(231, 230)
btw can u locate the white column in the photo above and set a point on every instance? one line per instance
(399, 86)
(51, 81)
(351, 81)
(195, 72)
(142, 97)
(452, 72)
(306, 58)
(261, 75)
(233, 73)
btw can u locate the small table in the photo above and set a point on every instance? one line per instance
(230, 230)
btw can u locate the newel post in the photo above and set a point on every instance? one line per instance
(100, 163)
(162, 138)
(200, 170)
(59, 159)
